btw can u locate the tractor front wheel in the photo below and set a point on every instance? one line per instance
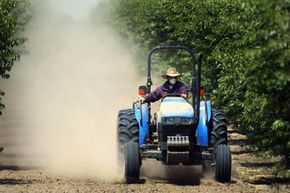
(132, 162)
(223, 160)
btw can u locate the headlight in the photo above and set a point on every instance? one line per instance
(185, 121)
(170, 120)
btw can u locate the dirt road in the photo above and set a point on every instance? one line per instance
(25, 177)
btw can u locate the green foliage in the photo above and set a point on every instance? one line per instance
(246, 45)
(280, 169)
(13, 16)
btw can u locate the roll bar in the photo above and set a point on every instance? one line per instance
(195, 77)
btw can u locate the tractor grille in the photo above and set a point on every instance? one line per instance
(177, 149)
(177, 136)
(175, 143)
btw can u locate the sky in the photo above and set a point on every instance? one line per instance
(75, 8)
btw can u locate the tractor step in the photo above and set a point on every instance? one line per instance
(152, 154)
(146, 147)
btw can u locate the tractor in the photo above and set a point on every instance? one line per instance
(180, 133)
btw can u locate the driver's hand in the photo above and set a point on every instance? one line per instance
(184, 96)
(140, 99)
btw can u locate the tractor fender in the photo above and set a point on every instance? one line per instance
(202, 128)
(142, 117)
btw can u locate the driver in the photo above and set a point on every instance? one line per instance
(171, 86)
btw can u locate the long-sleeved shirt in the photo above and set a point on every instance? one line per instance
(165, 89)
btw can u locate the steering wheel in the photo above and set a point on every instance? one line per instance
(173, 95)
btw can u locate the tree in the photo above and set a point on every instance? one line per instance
(246, 66)
(13, 17)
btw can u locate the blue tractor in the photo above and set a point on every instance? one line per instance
(180, 133)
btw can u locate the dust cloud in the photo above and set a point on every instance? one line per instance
(63, 97)
(64, 94)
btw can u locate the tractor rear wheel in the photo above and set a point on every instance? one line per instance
(127, 129)
(132, 162)
(218, 134)
(223, 163)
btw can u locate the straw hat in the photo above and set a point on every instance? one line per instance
(171, 72)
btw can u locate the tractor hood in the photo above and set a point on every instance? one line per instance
(175, 107)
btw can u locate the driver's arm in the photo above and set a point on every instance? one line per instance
(154, 95)
(183, 91)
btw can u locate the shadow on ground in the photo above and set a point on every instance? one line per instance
(16, 168)
(270, 180)
(177, 175)
(241, 142)
(9, 181)
(258, 164)
(243, 151)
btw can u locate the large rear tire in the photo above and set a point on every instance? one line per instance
(132, 162)
(127, 129)
(223, 159)
(218, 134)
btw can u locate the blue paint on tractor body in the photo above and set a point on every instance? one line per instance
(202, 128)
(142, 117)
